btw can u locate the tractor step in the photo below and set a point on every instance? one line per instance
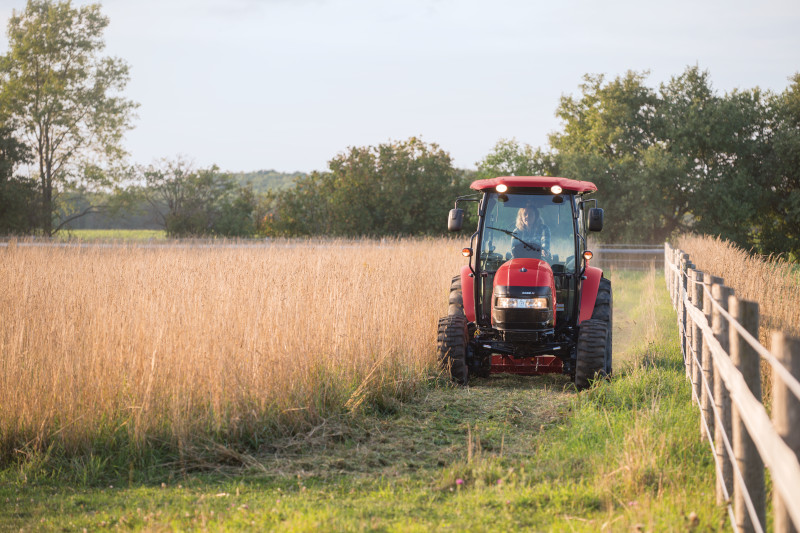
(526, 366)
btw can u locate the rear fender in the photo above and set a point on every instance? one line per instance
(468, 292)
(589, 288)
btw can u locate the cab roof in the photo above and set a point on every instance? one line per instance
(534, 181)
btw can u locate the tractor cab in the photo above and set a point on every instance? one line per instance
(528, 287)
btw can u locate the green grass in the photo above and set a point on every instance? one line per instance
(113, 234)
(507, 453)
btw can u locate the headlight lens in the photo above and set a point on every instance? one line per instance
(522, 303)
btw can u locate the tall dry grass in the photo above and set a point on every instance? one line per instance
(773, 282)
(179, 344)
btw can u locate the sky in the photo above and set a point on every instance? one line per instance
(288, 84)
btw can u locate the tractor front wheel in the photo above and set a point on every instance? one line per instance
(590, 363)
(452, 347)
(456, 301)
(604, 310)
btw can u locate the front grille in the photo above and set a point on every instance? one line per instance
(523, 319)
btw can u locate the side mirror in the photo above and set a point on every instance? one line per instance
(455, 220)
(595, 219)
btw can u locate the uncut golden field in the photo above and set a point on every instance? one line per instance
(773, 282)
(179, 345)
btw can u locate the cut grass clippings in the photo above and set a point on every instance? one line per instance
(507, 453)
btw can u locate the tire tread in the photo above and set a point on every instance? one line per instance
(452, 347)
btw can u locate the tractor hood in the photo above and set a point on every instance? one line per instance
(524, 279)
(524, 273)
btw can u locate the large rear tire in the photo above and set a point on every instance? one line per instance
(452, 348)
(590, 363)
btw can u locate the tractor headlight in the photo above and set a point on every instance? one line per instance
(521, 303)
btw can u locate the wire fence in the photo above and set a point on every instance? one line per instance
(722, 357)
(628, 256)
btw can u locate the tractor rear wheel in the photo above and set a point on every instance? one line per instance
(452, 347)
(590, 363)
(604, 310)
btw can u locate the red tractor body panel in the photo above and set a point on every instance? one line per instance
(468, 293)
(534, 181)
(589, 292)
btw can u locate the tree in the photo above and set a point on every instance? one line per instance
(63, 95)
(397, 188)
(611, 137)
(189, 202)
(674, 159)
(17, 194)
(509, 158)
(780, 214)
(719, 143)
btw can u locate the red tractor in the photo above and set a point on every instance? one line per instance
(528, 302)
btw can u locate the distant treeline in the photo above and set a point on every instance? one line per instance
(134, 211)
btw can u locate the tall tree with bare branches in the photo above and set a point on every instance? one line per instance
(65, 98)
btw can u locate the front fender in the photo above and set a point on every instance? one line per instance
(589, 288)
(468, 292)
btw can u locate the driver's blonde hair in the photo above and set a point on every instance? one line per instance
(531, 210)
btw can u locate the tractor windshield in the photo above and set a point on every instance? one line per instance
(528, 225)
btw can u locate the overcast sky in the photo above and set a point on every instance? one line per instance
(287, 84)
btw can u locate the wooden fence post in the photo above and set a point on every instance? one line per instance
(748, 460)
(678, 256)
(691, 276)
(666, 267)
(697, 335)
(676, 260)
(682, 284)
(722, 397)
(677, 280)
(708, 367)
(785, 415)
(689, 331)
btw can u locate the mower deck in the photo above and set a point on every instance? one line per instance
(526, 366)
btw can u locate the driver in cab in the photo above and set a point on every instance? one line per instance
(534, 232)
